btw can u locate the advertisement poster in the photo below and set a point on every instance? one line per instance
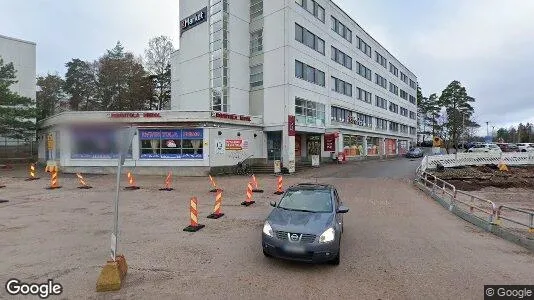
(95, 143)
(234, 145)
(291, 125)
(219, 147)
(171, 143)
(329, 142)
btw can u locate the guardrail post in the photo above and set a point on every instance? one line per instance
(531, 222)
(497, 213)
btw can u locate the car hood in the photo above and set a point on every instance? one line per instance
(301, 222)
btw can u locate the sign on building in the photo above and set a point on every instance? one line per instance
(193, 20)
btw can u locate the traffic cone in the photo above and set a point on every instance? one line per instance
(83, 184)
(248, 201)
(194, 226)
(168, 182)
(2, 186)
(32, 173)
(502, 166)
(214, 185)
(54, 182)
(131, 182)
(279, 191)
(217, 208)
(255, 183)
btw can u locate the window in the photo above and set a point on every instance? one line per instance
(171, 143)
(364, 95)
(95, 143)
(393, 107)
(364, 71)
(381, 102)
(364, 120)
(341, 58)
(394, 126)
(403, 128)
(342, 87)
(404, 78)
(412, 131)
(403, 95)
(393, 88)
(381, 124)
(309, 112)
(313, 8)
(342, 115)
(412, 115)
(412, 99)
(413, 84)
(308, 73)
(403, 112)
(393, 70)
(341, 29)
(256, 76)
(309, 39)
(256, 41)
(381, 60)
(364, 47)
(256, 8)
(381, 81)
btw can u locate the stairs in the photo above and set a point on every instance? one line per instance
(269, 168)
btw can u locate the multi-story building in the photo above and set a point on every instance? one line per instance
(272, 80)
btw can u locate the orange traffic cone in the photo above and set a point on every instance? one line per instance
(255, 183)
(279, 191)
(32, 173)
(54, 182)
(214, 185)
(2, 186)
(248, 201)
(194, 226)
(168, 182)
(131, 182)
(83, 184)
(217, 208)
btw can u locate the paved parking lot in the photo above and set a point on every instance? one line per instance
(397, 244)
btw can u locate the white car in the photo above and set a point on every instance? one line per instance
(525, 147)
(486, 148)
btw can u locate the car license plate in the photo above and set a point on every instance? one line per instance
(295, 249)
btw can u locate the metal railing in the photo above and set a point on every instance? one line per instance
(518, 212)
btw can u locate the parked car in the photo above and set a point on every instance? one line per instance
(485, 148)
(525, 147)
(506, 147)
(305, 225)
(415, 152)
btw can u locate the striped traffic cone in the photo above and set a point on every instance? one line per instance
(32, 173)
(280, 191)
(168, 182)
(194, 226)
(255, 183)
(214, 185)
(217, 208)
(131, 182)
(248, 201)
(54, 181)
(83, 184)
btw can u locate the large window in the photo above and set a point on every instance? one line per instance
(393, 69)
(393, 88)
(381, 124)
(393, 107)
(403, 112)
(364, 71)
(256, 8)
(381, 81)
(256, 76)
(412, 115)
(313, 8)
(308, 73)
(95, 143)
(341, 29)
(393, 126)
(342, 87)
(341, 58)
(364, 47)
(412, 99)
(256, 41)
(404, 78)
(364, 95)
(309, 112)
(381, 60)
(171, 143)
(413, 84)
(309, 39)
(342, 115)
(403, 95)
(412, 131)
(381, 102)
(403, 128)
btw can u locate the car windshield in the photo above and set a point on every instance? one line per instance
(318, 201)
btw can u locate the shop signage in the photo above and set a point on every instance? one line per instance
(330, 142)
(223, 115)
(171, 143)
(219, 147)
(193, 20)
(291, 125)
(235, 145)
(119, 115)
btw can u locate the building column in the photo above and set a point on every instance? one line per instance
(288, 149)
(340, 144)
(365, 145)
(383, 148)
(397, 146)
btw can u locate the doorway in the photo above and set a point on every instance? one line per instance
(313, 145)
(274, 145)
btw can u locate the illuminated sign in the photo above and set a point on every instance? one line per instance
(223, 115)
(193, 20)
(118, 115)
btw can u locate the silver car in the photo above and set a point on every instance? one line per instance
(305, 225)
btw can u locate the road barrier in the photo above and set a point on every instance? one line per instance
(217, 207)
(83, 184)
(256, 186)
(32, 174)
(248, 201)
(54, 181)
(168, 182)
(520, 214)
(279, 190)
(131, 183)
(194, 226)
(214, 185)
(470, 159)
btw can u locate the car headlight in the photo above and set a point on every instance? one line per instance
(267, 229)
(327, 236)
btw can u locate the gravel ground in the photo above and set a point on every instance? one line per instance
(398, 243)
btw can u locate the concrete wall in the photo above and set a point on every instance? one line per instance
(255, 146)
(22, 55)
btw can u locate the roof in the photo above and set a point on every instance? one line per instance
(18, 40)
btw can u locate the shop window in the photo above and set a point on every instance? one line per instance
(309, 112)
(95, 143)
(171, 143)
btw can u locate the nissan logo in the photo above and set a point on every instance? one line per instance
(294, 237)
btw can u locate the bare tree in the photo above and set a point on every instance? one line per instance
(158, 64)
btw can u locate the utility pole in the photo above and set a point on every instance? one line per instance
(487, 128)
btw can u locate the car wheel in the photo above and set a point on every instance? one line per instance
(335, 261)
(266, 254)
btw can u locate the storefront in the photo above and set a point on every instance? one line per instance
(353, 146)
(373, 146)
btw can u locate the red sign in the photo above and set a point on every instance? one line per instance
(117, 115)
(291, 125)
(233, 144)
(223, 115)
(329, 142)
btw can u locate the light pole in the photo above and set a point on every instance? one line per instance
(487, 128)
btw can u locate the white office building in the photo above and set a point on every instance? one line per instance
(267, 80)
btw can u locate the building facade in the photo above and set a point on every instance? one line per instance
(272, 80)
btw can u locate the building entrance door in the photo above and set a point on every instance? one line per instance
(313, 145)
(274, 145)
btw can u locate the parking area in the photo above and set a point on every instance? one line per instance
(398, 243)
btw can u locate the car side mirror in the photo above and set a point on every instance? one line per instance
(342, 210)
(273, 203)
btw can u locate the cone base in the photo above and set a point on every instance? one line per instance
(85, 187)
(196, 228)
(131, 188)
(247, 203)
(166, 189)
(215, 216)
(112, 275)
(215, 190)
(2, 186)
(32, 179)
(257, 191)
(4, 201)
(53, 187)
(278, 192)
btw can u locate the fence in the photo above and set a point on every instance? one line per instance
(469, 159)
(17, 149)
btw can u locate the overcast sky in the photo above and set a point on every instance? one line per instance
(485, 44)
